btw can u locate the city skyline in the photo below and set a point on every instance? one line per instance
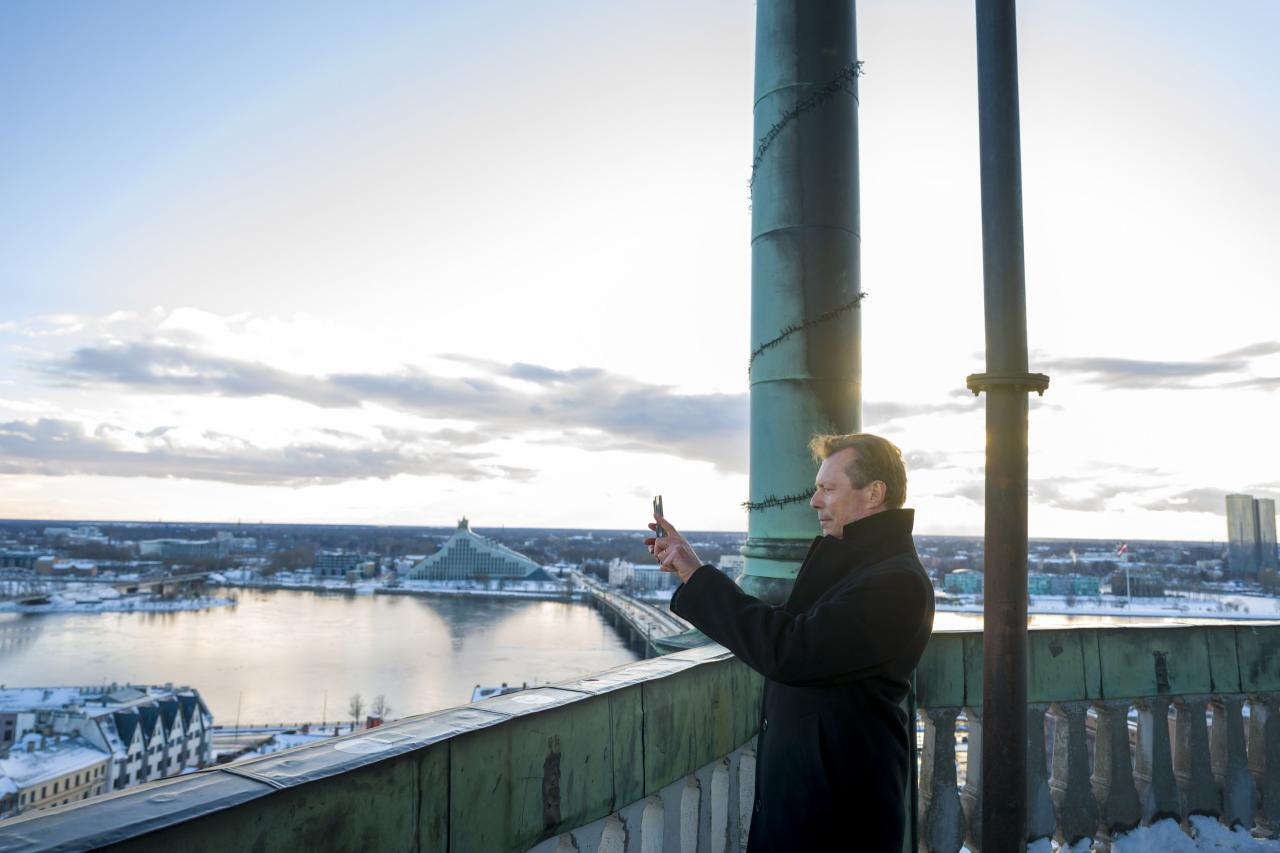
(389, 265)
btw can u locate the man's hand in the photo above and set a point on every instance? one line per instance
(673, 552)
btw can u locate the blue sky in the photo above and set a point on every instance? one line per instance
(395, 262)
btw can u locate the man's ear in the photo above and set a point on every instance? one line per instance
(877, 492)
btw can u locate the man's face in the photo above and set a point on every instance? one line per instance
(837, 500)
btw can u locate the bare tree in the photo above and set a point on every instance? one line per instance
(356, 708)
(380, 708)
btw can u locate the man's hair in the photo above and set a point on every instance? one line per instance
(874, 458)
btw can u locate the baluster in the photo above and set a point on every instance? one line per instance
(720, 807)
(971, 796)
(652, 826)
(1040, 822)
(1069, 784)
(1192, 766)
(1230, 764)
(1264, 754)
(746, 794)
(690, 814)
(941, 818)
(1157, 788)
(613, 839)
(1113, 785)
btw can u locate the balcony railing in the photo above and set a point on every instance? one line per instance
(657, 755)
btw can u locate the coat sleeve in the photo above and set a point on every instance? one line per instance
(864, 625)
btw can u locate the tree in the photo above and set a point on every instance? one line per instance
(380, 708)
(356, 708)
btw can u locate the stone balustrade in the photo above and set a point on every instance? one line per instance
(1126, 726)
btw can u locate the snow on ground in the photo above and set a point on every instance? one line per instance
(124, 604)
(1172, 607)
(1167, 837)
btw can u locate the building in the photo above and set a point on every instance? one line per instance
(335, 564)
(1251, 536)
(467, 556)
(1268, 558)
(1074, 585)
(19, 558)
(143, 733)
(69, 569)
(733, 565)
(183, 549)
(640, 578)
(46, 771)
(1137, 584)
(963, 582)
(236, 544)
(76, 535)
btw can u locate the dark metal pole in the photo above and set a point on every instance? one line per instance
(1004, 656)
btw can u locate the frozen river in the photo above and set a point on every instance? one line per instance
(294, 656)
(285, 656)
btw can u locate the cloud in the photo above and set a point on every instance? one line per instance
(585, 407)
(927, 460)
(1069, 493)
(1076, 494)
(1193, 500)
(1213, 501)
(53, 447)
(878, 414)
(1137, 374)
(627, 413)
(1258, 350)
(1118, 373)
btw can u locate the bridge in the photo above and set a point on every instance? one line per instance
(160, 583)
(24, 587)
(643, 623)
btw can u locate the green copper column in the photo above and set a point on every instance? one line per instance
(806, 373)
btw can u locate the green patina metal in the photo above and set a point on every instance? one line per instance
(805, 368)
(508, 772)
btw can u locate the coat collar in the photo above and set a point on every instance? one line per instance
(865, 542)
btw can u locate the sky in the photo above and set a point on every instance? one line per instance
(393, 263)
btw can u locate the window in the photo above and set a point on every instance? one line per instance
(43, 792)
(55, 787)
(77, 778)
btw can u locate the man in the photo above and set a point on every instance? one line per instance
(837, 658)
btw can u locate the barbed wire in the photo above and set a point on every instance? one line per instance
(771, 501)
(850, 72)
(796, 327)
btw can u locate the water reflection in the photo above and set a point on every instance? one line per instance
(283, 656)
(17, 631)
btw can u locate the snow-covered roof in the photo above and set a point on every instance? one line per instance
(59, 757)
(94, 700)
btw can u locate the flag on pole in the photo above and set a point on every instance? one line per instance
(1123, 549)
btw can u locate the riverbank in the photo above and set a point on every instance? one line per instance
(1233, 608)
(124, 604)
(529, 590)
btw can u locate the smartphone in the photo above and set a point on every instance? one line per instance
(657, 509)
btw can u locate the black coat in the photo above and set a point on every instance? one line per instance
(837, 658)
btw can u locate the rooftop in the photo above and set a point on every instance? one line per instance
(58, 757)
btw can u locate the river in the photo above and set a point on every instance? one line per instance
(285, 656)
